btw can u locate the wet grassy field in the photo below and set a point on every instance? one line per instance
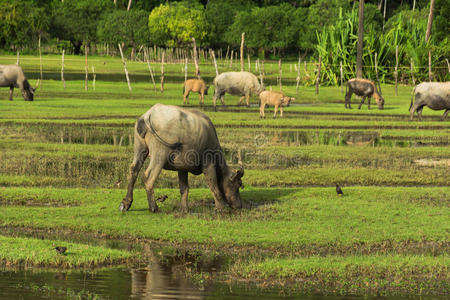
(63, 155)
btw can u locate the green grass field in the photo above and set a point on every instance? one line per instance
(62, 154)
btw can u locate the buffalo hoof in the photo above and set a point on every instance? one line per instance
(124, 207)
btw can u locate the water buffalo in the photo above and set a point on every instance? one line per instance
(12, 76)
(364, 88)
(273, 98)
(241, 84)
(197, 86)
(435, 95)
(185, 141)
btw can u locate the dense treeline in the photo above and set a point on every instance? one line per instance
(273, 28)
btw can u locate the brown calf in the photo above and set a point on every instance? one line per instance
(197, 86)
(273, 98)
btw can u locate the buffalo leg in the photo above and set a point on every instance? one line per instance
(419, 112)
(247, 99)
(186, 97)
(151, 174)
(11, 92)
(445, 114)
(184, 189)
(368, 103)
(240, 100)
(140, 154)
(362, 101)
(281, 111)
(211, 178)
(261, 110)
(348, 97)
(411, 112)
(275, 111)
(201, 98)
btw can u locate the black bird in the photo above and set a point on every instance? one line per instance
(61, 250)
(339, 190)
(162, 198)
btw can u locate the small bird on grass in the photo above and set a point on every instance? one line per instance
(118, 182)
(339, 190)
(162, 198)
(61, 250)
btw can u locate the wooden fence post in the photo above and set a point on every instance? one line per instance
(318, 75)
(93, 77)
(242, 51)
(86, 68)
(342, 76)
(249, 63)
(396, 70)
(298, 75)
(162, 71)
(280, 72)
(18, 58)
(215, 62)
(412, 72)
(62, 70)
(231, 59)
(430, 75)
(197, 71)
(185, 68)
(376, 70)
(125, 67)
(40, 62)
(146, 54)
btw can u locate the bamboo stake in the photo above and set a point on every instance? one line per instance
(376, 71)
(197, 71)
(342, 76)
(318, 75)
(146, 54)
(125, 67)
(162, 71)
(261, 75)
(298, 75)
(18, 58)
(242, 51)
(215, 62)
(448, 65)
(249, 64)
(86, 68)
(396, 70)
(62, 70)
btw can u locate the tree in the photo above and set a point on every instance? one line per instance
(128, 27)
(265, 28)
(175, 24)
(77, 21)
(359, 51)
(220, 15)
(21, 23)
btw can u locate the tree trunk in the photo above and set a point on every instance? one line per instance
(359, 71)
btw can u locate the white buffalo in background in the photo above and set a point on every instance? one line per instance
(435, 95)
(242, 84)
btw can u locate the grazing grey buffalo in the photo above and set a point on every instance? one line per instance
(435, 95)
(241, 84)
(185, 141)
(364, 88)
(12, 76)
(197, 86)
